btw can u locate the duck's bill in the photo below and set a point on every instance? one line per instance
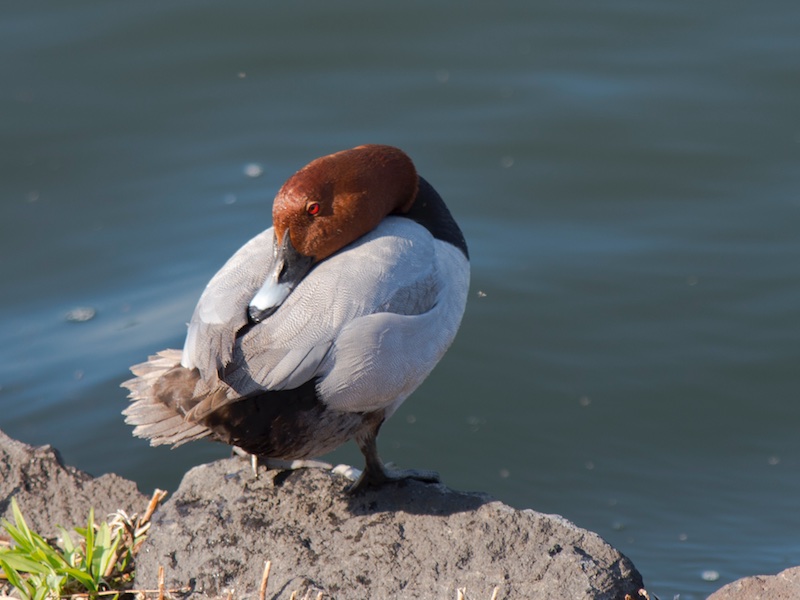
(288, 270)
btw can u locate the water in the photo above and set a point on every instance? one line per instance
(626, 174)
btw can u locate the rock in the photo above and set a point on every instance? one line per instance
(406, 540)
(50, 493)
(783, 586)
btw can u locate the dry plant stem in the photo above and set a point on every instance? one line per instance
(495, 592)
(160, 583)
(135, 549)
(158, 497)
(184, 590)
(262, 590)
(113, 563)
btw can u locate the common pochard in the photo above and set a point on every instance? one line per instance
(317, 329)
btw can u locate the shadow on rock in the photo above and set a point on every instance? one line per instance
(415, 498)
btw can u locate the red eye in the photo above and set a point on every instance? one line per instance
(312, 208)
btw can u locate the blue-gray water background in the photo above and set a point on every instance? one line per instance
(626, 174)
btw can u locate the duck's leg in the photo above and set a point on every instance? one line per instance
(279, 464)
(251, 457)
(376, 473)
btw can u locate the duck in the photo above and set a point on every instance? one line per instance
(317, 329)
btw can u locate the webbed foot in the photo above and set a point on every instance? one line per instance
(375, 473)
(377, 476)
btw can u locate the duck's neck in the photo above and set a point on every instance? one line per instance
(430, 211)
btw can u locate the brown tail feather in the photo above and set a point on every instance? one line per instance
(160, 419)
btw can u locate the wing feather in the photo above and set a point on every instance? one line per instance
(368, 323)
(379, 359)
(222, 308)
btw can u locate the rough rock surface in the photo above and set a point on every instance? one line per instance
(783, 586)
(406, 540)
(50, 493)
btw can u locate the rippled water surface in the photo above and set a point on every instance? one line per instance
(627, 175)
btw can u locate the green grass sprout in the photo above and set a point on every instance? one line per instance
(98, 561)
